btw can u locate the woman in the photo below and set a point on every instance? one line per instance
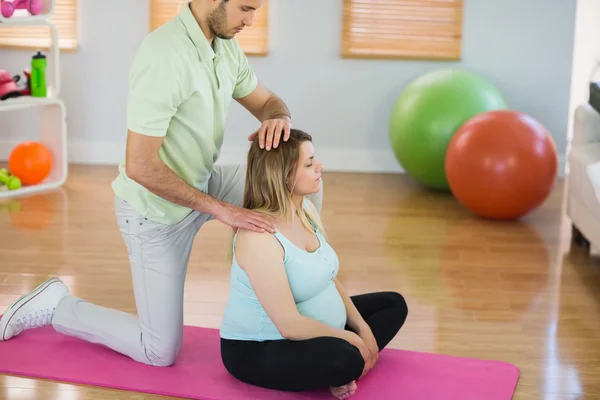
(289, 323)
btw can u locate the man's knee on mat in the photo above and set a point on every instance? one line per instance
(163, 355)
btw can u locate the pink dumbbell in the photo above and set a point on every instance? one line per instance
(33, 6)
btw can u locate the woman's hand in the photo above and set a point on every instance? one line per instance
(364, 352)
(367, 337)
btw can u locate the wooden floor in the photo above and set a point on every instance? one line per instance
(506, 291)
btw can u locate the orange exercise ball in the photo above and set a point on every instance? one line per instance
(31, 162)
(501, 164)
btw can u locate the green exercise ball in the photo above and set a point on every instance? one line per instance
(428, 113)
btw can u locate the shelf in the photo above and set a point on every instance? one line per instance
(52, 57)
(52, 111)
(52, 133)
(26, 190)
(18, 103)
(23, 17)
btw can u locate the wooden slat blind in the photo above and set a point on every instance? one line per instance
(38, 37)
(253, 40)
(417, 29)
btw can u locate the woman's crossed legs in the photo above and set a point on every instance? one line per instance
(323, 362)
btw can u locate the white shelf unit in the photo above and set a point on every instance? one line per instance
(51, 110)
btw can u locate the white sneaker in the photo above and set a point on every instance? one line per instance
(33, 310)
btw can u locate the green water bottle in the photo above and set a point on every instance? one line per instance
(38, 75)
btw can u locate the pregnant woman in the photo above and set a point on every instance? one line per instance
(289, 323)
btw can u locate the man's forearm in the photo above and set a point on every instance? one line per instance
(163, 182)
(275, 108)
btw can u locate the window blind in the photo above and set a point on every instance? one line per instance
(419, 29)
(38, 37)
(253, 40)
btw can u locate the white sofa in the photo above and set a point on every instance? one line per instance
(583, 185)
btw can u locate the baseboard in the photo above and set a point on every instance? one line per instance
(347, 160)
(562, 165)
(97, 153)
(342, 160)
(339, 160)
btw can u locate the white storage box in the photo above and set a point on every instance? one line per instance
(52, 132)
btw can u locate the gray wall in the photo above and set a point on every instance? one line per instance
(524, 47)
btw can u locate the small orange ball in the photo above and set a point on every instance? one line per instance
(31, 162)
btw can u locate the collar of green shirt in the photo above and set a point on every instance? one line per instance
(204, 48)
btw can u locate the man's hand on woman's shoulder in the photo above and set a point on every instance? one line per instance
(239, 217)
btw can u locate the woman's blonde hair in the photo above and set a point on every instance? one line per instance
(270, 179)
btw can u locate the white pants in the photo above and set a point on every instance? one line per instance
(159, 256)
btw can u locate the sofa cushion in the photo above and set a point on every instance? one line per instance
(593, 173)
(586, 125)
(583, 160)
(585, 154)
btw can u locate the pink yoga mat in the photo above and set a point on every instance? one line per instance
(199, 373)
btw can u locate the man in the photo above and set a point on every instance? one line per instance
(182, 82)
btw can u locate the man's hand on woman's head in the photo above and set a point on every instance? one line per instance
(272, 131)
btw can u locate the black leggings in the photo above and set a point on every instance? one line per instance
(316, 363)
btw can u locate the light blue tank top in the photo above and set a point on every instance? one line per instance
(310, 276)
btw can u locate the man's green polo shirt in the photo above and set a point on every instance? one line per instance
(181, 89)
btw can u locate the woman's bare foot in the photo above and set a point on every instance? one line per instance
(344, 392)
